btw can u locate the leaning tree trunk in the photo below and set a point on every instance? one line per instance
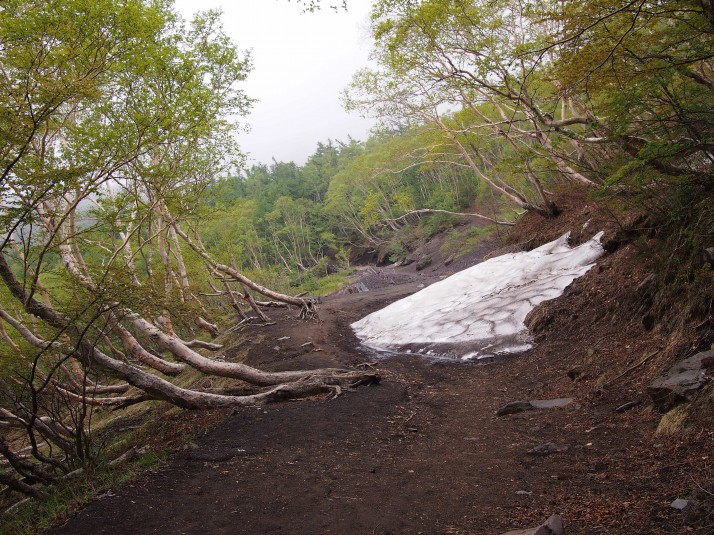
(116, 342)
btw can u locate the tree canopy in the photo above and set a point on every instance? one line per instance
(115, 117)
(571, 90)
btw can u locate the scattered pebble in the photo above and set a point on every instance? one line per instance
(680, 504)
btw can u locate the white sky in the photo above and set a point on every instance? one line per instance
(301, 64)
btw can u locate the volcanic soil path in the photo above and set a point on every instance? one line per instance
(421, 452)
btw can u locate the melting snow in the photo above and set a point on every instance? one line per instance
(480, 311)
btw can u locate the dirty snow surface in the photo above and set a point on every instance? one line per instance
(480, 311)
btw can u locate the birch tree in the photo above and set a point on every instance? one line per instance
(468, 56)
(576, 91)
(115, 115)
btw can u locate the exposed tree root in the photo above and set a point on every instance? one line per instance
(309, 311)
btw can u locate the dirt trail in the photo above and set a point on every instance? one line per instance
(424, 452)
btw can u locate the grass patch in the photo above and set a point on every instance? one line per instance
(460, 242)
(35, 516)
(325, 285)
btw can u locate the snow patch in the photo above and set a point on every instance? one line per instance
(480, 311)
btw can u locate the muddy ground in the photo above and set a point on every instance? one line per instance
(423, 451)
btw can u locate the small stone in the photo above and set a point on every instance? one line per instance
(679, 504)
(357, 288)
(523, 493)
(514, 407)
(551, 403)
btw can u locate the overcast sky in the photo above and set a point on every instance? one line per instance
(301, 64)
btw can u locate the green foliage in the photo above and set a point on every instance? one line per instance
(397, 251)
(112, 113)
(459, 242)
(347, 194)
(273, 215)
(396, 174)
(70, 496)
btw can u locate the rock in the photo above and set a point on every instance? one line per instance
(681, 382)
(357, 288)
(695, 362)
(551, 403)
(547, 449)
(523, 493)
(521, 406)
(423, 262)
(552, 526)
(679, 504)
(513, 407)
